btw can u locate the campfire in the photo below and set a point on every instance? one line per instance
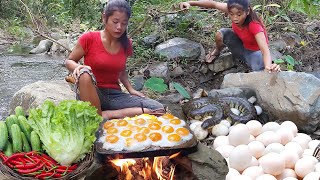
(156, 168)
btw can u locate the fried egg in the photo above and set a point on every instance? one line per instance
(184, 133)
(114, 142)
(138, 142)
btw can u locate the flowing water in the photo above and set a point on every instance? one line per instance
(19, 71)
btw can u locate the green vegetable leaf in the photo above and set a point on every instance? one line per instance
(156, 84)
(290, 60)
(278, 61)
(181, 90)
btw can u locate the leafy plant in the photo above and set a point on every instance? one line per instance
(308, 7)
(289, 61)
(156, 84)
(264, 10)
(181, 90)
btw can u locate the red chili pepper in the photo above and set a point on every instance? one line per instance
(63, 171)
(50, 159)
(14, 156)
(31, 153)
(26, 171)
(73, 167)
(22, 160)
(9, 165)
(15, 162)
(47, 162)
(3, 156)
(27, 166)
(45, 175)
(57, 175)
(30, 158)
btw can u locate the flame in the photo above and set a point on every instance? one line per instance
(146, 172)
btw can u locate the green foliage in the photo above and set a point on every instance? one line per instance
(181, 90)
(308, 7)
(156, 84)
(288, 61)
(264, 10)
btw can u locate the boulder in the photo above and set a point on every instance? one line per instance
(290, 96)
(33, 95)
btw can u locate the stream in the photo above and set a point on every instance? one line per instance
(19, 71)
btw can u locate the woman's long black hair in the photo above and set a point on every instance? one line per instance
(245, 4)
(123, 6)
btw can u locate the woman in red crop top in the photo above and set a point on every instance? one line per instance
(105, 54)
(247, 40)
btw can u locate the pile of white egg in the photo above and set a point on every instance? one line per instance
(268, 152)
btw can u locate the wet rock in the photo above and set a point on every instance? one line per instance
(43, 46)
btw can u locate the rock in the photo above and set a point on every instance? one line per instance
(151, 40)
(279, 45)
(225, 92)
(159, 70)
(138, 82)
(55, 48)
(225, 61)
(275, 54)
(178, 71)
(33, 95)
(43, 46)
(290, 96)
(208, 164)
(179, 48)
(292, 39)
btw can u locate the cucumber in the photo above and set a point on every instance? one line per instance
(10, 120)
(16, 138)
(25, 127)
(19, 111)
(25, 143)
(8, 150)
(3, 135)
(35, 142)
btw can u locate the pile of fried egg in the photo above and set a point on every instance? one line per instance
(144, 131)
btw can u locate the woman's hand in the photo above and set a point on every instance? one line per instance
(184, 5)
(273, 68)
(76, 71)
(137, 93)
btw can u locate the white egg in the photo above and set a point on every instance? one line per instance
(258, 109)
(220, 140)
(272, 163)
(313, 144)
(240, 177)
(256, 148)
(295, 147)
(200, 133)
(302, 141)
(303, 167)
(290, 178)
(252, 138)
(252, 99)
(226, 123)
(225, 150)
(285, 134)
(266, 177)
(287, 173)
(268, 137)
(255, 127)
(305, 136)
(274, 147)
(253, 172)
(307, 152)
(232, 172)
(239, 134)
(254, 162)
(311, 158)
(317, 167)
(220, 130)
(290, 125)
(290, 158)
(312, 176)
(194, 125)
(270, 126)
(240, 158)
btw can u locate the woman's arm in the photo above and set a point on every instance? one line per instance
(125, 81)
(74, 57)
(205, 4)
(261, 40)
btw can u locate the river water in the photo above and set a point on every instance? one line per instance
(19, 71)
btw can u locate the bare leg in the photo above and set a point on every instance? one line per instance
(88, 91)
(216, 52)
(128, 112)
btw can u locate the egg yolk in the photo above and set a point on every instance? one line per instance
(158, 122)
(112, 130)
(122, 123)
(140, 121)
(129, 141)
(134, 128)
(108, 124)
(168, 116)
(154, 126)
(175, 121)
(112, 139)
(140, 137)
(174, 137)
(155, 137)
(182, 131)
(167, 129)
(144, 130)
(126, 133)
